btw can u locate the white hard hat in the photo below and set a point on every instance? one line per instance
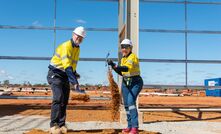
(80, 31)
(126, 42)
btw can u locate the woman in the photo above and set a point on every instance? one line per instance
(131, 85)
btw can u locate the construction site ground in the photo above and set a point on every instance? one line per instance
(96, 111)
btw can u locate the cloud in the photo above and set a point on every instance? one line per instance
(10, 77)
(2, 72)
(180, 73)
(5, 75)
(210, 74)
(36, 23)
(169, 75)
(91, 71)
(158, 70)
(80, 21)
(23, 72)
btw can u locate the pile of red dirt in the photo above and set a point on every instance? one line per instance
(80, 97)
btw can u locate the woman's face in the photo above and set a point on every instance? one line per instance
(125, 49)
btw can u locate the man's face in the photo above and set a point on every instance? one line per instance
(77, 39)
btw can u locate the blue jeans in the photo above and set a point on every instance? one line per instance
(130, 93)
(61, 90)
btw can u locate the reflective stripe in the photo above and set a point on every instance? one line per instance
(56, 54)
(59, 66)
(74, 61)
(127, 112)
(132, 107)
(136, 66)
(132, 74)
(66, 57)
(130, 61)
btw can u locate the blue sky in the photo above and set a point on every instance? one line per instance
(72, 13)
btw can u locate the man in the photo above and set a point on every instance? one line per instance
(62, 70)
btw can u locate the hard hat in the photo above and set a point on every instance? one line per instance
(126, 42)
(80, 31)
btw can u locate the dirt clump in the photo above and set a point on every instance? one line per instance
(80, 97)
(115, 95)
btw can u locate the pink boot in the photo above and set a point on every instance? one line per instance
(134, 131)
(126, 130)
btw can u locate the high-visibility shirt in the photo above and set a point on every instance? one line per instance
(66, 55)
(132, 62)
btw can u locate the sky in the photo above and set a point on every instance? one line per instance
(73, 13)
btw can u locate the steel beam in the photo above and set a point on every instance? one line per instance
(132, 24)
(165, 2)
(46, 97)
(160, 86)
(116, 59)
(110, 29)
(180, 110)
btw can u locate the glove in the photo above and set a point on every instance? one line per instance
(111, 63)
(78, 90)
(77, 75)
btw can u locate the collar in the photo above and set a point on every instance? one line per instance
(73, 44)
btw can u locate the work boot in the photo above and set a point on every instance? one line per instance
(134, 131)
(64, 130)
(126, 130)
(55, 130)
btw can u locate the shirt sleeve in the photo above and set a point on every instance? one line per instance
(71, 76)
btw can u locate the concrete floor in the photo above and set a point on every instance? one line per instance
(18, 124)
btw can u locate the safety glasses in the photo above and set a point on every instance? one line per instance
(79, 38)
(126, 46)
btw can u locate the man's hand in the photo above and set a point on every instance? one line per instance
(111, 63)
(78, 90)
(77, 75)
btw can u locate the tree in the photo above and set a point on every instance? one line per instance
(28, 83)
(6, 82)
(45, 84)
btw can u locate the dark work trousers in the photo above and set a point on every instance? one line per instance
(61, 90)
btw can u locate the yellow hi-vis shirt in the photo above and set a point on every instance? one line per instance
(132, 62)
(66, 56)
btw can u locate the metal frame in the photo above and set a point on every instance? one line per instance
(163, 1)
(186, 31)
(180, 109)
(46, 97)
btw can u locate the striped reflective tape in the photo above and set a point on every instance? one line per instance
(132, 74)
(58, 66)
(58, 55)
(65, 57)
(130, 61)
(132, 107)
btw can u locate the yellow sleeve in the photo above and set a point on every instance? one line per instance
(66, 59)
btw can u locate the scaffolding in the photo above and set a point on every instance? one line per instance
(124, 30)
(128, 27)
